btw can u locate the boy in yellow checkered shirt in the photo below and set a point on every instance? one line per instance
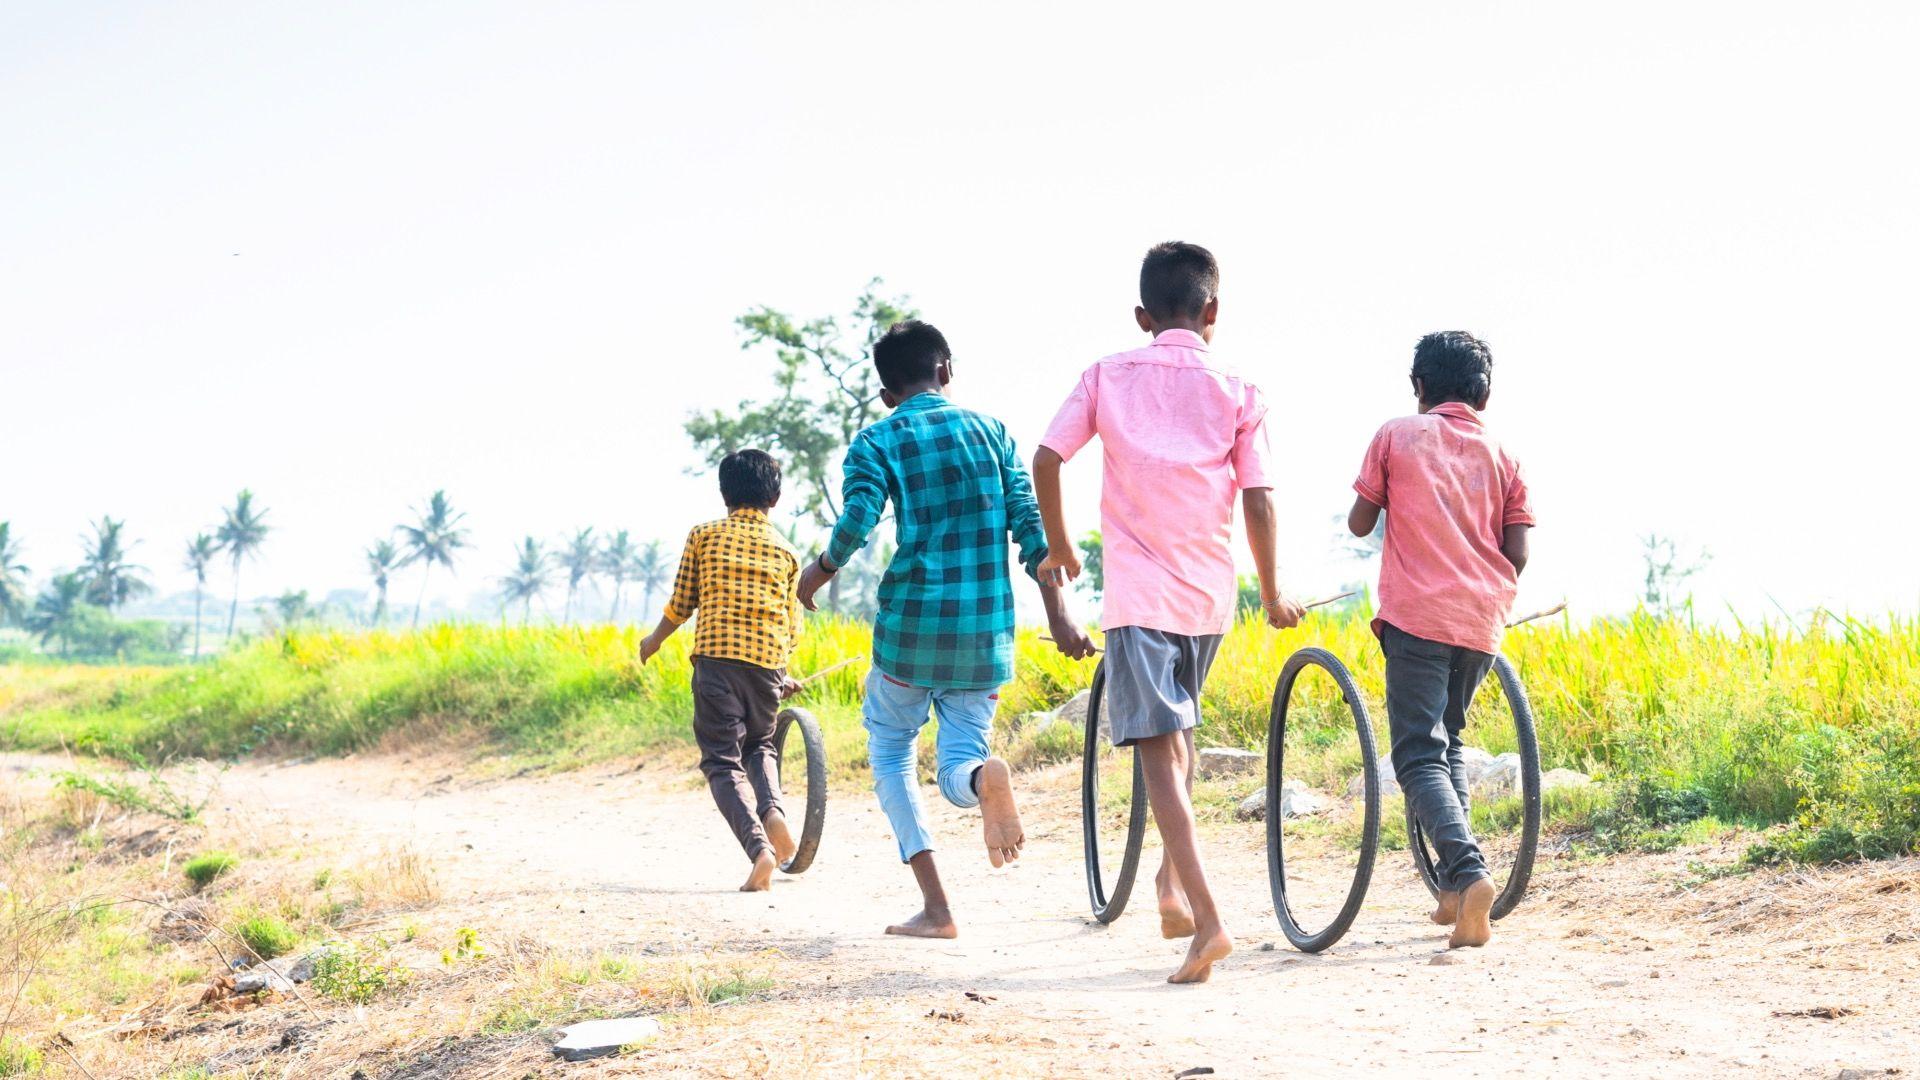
(740, 576)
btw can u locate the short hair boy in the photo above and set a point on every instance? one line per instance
(1180, 433)
(943, 635)
(740, 576)
(1457, 524)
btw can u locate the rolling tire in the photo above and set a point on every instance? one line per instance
(1305, 938)
(1108, 902)
(1529, 744)
(816, 813)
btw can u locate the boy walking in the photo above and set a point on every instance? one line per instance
(1457, 524)
(741, 577)
(1180, 434)
(943, 636)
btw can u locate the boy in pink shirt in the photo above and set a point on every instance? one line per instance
(1179, 434)
(1457, 521)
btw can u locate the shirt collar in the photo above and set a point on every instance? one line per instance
(1183, 339)
(925, 399)
(747, 513)
(1459, 410)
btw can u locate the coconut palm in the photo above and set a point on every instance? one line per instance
(383, 558)
(532, 573)
(13, 578)
(241, 536)
(434, 540)
(109, 578)
(617, 557)
(58, 610)
(201, 551)
(580, 558)
(653, 572)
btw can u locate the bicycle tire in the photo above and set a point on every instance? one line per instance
(1300, 936)
(1529, 748)
(1108, 904)
(815, 820)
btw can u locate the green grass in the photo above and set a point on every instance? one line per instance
(202, 869)
(266, 936)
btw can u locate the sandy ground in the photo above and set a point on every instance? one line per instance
(1609, 968)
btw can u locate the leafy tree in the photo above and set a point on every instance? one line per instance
(653, 572)
(291, 608)
(433, 540)
(532, 573)
(241, 536)
(1667, 569)
(1093, 562)
(201, 551)
(13, 578)
(59, 610)
(383, 558)
(580, 558)
(618, 559)
(110, 579)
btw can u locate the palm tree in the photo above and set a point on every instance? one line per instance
(109, 578)
(616, 561)
(201, 551)
(532, 573)
(580, 558)
(13, 578)
(433, 540)
(383, 558)
(652, 571)
(240, 536)
(58, 609)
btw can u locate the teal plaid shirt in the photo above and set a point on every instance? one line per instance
(958, 492)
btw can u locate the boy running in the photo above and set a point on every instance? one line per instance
(1457, 522)
(943, 636)
(740, 576)
(1179, 433)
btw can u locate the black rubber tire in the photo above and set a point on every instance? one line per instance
(816, 814)
(1302, 938)
(1108, 904)
(1529, 744)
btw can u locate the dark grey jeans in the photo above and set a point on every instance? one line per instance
(1429, 687)
(735, 707)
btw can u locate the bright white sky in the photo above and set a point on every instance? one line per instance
(347, 253)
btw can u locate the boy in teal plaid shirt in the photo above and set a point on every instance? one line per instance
(943, 638)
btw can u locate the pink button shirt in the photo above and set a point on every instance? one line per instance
(1449, 491)
(1180, 435)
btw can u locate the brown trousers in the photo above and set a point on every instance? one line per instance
(735, 705)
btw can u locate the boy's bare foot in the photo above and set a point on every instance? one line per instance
(1002, 818)
(779, 835)
(1448, 910)
(927, 925)
(1475, 926)
(761, 879)
(1206, 949)
(1176, 917)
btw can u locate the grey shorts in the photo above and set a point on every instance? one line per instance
(1154, 680)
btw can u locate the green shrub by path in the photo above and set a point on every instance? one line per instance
(202, 869)
(266, 936)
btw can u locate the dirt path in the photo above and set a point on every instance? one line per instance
(1572, 987)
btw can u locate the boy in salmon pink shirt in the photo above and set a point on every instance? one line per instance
(1181, 434)
(1457, 523)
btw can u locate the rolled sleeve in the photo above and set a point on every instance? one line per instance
(1518, 509)
(1252, 449)
(1023, 510)
(686, 583)
(1073, 426)
(863, 496)
(1371, 484)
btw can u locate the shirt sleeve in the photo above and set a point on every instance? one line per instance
(1519, 506)
(1252, 452)
(1073, 426)
(1023, 510)
(686, 582)
(795, 616)
(863, 497)
(1372, 482)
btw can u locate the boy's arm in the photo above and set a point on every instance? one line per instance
(1513, 544)
(863, 497)
(1263, 538)
(1061, 564)
(681, 603)
(1029, 532)
(1364, 516)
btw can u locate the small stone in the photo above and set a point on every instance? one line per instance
(1074, 709)
(1296, 800)
(1497, 778)
(599, 1038)
(1253, 807)
(1357, 787)
(1218, 761)
(1554, 779)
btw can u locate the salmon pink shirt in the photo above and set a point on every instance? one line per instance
(1449, 491)
(1180, 435)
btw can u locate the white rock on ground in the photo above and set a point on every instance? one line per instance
(1218, 761)
(1563, 778)
(1296, 800)
(280, 975)
(599, 1038)
(1389, 787)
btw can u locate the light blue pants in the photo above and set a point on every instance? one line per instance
(895, 713)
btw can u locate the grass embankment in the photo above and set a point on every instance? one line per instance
(1692, 725)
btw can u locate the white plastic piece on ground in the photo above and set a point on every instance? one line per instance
(599, 1038)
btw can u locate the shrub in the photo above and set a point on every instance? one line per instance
(267, 936)
(346, 973)
(202, 869)
(19, 1059)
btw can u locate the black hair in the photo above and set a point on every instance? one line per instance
(1453, 365)
(1177, 279)
(750, 478)
(908, 353)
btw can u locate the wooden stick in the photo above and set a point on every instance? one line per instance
(1049, 640)
(826, 671)
(1554, 610)
(1328, 600)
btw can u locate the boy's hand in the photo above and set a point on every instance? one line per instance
(1059, 567)
(1282, 613)
(812, 577)
(1070, 639)
(648, 646)
(789, 686)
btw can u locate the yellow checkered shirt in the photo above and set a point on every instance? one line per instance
(742, 578)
